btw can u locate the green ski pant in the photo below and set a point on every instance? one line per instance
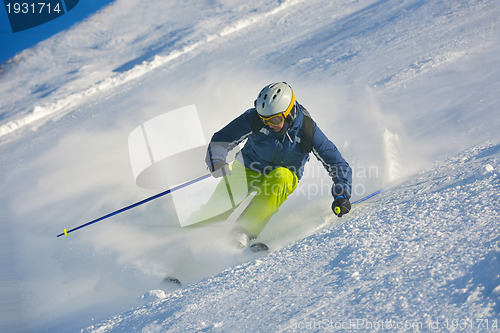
(272, 189)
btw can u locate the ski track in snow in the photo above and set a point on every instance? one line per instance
(396, 85)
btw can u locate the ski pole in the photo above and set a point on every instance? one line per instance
(121, 210)
(367, 197)
(228, 187)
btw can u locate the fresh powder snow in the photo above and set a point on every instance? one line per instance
(408, 90)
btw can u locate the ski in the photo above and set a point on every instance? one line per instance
(259, 247)
(172, 281)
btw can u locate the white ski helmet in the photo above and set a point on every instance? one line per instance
(275, 98)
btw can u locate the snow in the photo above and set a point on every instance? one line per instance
(391, 262)
(409, 92)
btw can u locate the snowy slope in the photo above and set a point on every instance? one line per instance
(396, 85)
(416, 258)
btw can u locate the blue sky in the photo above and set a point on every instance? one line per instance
(13, 43)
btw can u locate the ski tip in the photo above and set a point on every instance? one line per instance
(259, 247)
(172, 280)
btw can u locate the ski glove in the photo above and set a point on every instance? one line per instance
(219, 168)
(341, 205)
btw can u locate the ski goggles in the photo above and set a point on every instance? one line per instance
(277, 119)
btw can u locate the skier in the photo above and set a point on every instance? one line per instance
(280, 135)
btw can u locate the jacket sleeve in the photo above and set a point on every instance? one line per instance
(230, 136)
(336, 166)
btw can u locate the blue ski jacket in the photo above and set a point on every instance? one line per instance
(266, 150)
